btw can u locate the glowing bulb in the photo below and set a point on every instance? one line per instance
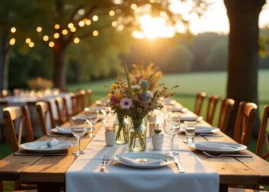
(111, 13)
(51, 44)
(73, 29)
(12, 41)
(57, 26)
(114, 24)
(46, 38)
(56, 35)
(13, 30)
(95, 33)
(64, 32)
(88, 22)
(70, 25)
(81, 23)
(133, 6)
(152, 1)
(95, 18)
(76, 40)
(31, 44)
(28, 40)
(39, 29)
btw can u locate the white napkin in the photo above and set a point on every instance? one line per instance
(215, 146)
(64, 130)
(136, 161)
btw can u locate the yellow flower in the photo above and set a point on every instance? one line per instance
(118, 96)
(114, 86)
(109, 95)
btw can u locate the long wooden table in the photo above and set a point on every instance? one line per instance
(48, 172)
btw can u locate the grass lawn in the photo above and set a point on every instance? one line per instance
(213, 83)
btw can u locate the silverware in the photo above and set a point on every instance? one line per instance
(38, 154)
(210, 135)
(180, 169)
(104, 162)
(227, 155)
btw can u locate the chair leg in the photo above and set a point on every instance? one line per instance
(1, 186)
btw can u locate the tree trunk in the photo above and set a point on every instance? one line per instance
(4, 59)
(59, 76)
(243, 57)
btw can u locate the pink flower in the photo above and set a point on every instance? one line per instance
(126, 103)
(114, 100)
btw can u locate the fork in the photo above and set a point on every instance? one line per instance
(210, 135)
(226, 155)
(104, 162)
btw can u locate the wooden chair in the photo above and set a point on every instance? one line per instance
(211, 108)
(3, 104)
(225, 113)
(81, 100)
(44, 109)
(11, 114)
(63, 90)
(62, 110)
(199, 103)
(89, 97)
(19, 114)
(245, 118)
(74, 104)
(263, 137)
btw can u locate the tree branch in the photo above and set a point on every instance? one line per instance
(74, 13)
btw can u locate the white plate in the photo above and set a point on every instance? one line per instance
(218, 147)
(144, 160)
(81, 117)
(190, 118)
(203, 129)
(41, 146)
(65, 130)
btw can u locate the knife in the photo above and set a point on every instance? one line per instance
(180, 169)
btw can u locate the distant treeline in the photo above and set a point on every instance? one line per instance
(204, 52)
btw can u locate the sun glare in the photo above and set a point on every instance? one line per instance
(152, 28)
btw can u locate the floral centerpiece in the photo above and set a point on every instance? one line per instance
(39, 84)
(135, 101)
(140, 72)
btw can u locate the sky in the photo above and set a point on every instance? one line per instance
(214, 20)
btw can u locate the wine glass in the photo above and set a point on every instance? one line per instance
(171, 128)
(78, 128)
(92, 116)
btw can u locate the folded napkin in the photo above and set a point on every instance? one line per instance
(64, 130)
(52, 143)
(141, 161)
(215, 146)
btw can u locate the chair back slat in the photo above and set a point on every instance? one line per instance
(211, 108)
(21, 114)
(44, 111)
(244, 122)
(74, 103)
(62, 109)
(263, 137)
(199, 100)
(81, 100)
(89, 97)
(226, 108)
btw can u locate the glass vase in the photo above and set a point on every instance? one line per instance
(137, 136)
(121, 127)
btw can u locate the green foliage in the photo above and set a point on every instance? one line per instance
(179, 60)
(217, 58)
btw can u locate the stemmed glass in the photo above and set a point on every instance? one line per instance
(78, 128)
(92, 116)
(171, 128)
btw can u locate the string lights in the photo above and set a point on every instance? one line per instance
(95, 18)
(13, 30)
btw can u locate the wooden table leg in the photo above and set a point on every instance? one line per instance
(223, 188)
(51, 187)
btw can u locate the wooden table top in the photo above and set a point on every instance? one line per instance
(53, 168)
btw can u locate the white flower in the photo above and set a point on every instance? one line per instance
(150, 94)
(135, 87)
(126, 103)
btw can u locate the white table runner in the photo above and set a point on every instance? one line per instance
(84, 174)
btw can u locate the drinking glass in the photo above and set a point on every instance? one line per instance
(171, 127)
(92, 116)
(78, 128)
(190, 127)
